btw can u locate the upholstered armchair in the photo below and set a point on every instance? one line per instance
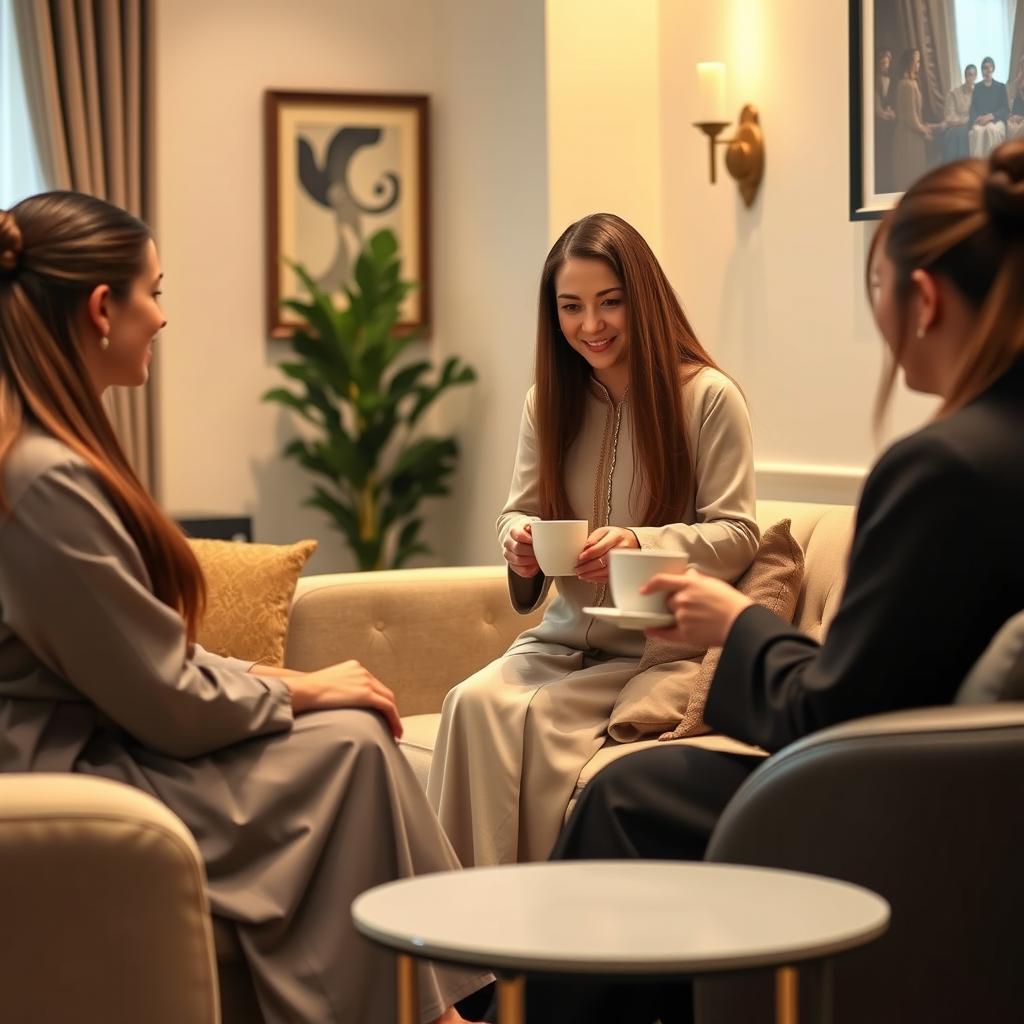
(923, 807)
(105, 918)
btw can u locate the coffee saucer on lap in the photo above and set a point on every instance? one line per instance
(631, 620)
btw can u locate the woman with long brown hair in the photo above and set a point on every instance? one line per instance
(631, 426)
(290, 782)
(936, 567)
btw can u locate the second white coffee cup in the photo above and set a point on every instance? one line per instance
(630, 569)
(557, 544)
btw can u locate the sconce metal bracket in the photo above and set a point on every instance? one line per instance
(744, 154)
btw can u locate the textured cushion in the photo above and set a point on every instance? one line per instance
(670, 689)
(249, 592)
(999, 673)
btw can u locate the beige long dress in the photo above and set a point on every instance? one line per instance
(515, 735)
(909, 149)
(294, 818)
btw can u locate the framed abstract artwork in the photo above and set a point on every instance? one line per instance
(930, 81)
(340, 167)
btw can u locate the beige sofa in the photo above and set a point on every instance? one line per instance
(424, 630)
(103, 886)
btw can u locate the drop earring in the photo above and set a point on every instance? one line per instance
(104, 343)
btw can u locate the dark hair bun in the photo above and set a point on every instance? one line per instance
(10, 243)
(1004, 189)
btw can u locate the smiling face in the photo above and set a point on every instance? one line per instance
(988, 69)
(592, 315)
(129, 323)
(970, 75)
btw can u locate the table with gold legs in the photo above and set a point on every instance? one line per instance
(617, 918)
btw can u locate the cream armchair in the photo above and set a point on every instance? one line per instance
(105, 918)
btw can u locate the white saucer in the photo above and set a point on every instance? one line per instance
(631, 620)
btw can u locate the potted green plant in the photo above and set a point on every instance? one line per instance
(363, 404)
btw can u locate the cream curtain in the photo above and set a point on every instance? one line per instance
(89, 78)
(929, 26)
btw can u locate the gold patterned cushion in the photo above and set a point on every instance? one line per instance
(249, 591)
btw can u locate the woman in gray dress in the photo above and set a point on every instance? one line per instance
(290, 782)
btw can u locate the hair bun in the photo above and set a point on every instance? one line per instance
(10, 243)
(1004, 189)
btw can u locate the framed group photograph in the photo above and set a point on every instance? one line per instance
(339, 168)
(931, 81)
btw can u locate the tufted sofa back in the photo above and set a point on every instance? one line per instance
(824, 532)
(424, 630)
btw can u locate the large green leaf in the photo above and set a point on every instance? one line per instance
(453, 374)
(384, 246)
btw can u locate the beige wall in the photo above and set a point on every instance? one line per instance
(603, 101)
(220, 446)
(777, 291)
(541, 112)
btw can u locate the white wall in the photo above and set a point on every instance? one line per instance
(604, 103)
(491, 237)
(777, 292)
(219, 445)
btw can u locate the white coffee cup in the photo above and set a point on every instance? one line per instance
(557, 544)
(630, 569)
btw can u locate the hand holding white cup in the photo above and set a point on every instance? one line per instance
(593, 561)
(518, 550)
(705, 608)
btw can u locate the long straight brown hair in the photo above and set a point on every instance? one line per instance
(55, 248)
(964, 221)
(663, 353)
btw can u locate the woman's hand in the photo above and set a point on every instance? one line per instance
(592, 566)
(346, 685)
(704, 608)
(518, 551)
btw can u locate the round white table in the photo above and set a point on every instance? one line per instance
(627, 918)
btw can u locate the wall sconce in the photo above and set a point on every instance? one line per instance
(744, 154)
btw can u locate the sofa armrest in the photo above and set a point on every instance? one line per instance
(421, 631)
(103, 903)
(923, 807)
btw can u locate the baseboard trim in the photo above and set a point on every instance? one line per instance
(808, 481)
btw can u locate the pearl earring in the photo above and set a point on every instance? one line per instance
(104, 343)
(920, 332)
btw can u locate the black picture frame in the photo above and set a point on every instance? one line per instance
(900, 130)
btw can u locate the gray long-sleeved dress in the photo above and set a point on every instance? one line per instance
(294, 817)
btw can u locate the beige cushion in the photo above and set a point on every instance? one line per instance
(249, 592)
(670, 689)
(824, 532)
